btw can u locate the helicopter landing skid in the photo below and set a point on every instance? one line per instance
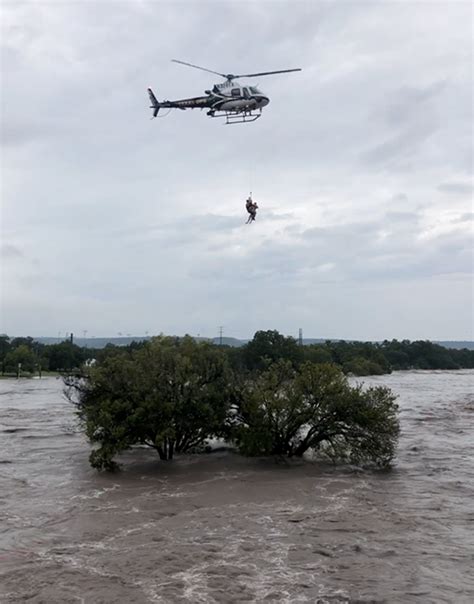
(236, 118)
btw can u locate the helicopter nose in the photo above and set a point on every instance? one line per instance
(263, 101)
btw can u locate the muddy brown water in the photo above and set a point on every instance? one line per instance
(219, 528)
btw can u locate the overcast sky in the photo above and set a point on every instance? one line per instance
(361, 165)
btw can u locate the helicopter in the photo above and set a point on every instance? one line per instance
(234, 102)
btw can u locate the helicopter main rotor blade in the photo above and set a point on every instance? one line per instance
(264, 73)
(223, 75)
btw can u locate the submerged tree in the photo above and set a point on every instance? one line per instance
(170, 395)
(286, 411)
(173, 394)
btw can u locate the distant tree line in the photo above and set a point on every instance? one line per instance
(62, 357)
(356, 358)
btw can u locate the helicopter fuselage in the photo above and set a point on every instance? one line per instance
(229, 98)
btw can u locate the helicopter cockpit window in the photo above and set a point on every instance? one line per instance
(246, 92)
(235, 92)
(254, 90)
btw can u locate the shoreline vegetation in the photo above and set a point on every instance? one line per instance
(27, 357)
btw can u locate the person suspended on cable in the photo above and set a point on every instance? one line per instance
(251, 208)
(249, 204)
(254, 210)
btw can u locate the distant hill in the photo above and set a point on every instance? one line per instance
(236, 343)
(101, 342)
(457, 344)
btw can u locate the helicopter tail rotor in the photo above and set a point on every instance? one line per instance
(155, 105)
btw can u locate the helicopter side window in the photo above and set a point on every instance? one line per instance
(246, 93)
(235, 92)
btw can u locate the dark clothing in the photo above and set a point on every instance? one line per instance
(251, 208)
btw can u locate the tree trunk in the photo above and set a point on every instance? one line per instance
(161, 453)
(166, 449)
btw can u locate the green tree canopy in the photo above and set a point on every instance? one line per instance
(20, 355)
(169, 394)
(287, 411)
(5, 348)
(64, 356)
(270, 346)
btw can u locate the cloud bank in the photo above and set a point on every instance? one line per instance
(361, 165)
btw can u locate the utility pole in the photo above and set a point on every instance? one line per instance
(221, 329)
(300, 336)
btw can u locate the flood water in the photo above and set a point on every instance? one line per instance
(219, 528)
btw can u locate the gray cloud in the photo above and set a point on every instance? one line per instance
(359, 165)
(466, 217)
(456, 188)
(410, 103)
(8, 251)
